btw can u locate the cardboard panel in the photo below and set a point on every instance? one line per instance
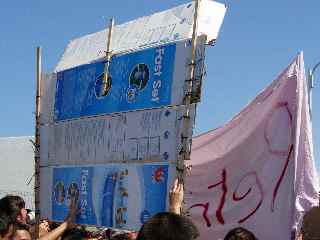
(113, 195)
(146, 79)
(167, 26)
(48, 92)
(149, 136)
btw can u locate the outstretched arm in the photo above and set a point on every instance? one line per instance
(57, 232)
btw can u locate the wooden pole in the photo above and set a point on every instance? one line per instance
(106, 79)
(37, 143)
(193, 49)
(185, 138)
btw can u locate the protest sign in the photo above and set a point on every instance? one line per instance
(258, 170)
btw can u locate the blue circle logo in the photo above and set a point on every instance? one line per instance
(139, 76)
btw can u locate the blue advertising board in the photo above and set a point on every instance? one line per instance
(138, 80)
(118, 196)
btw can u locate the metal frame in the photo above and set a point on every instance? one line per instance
(311, 84)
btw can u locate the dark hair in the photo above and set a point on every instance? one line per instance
(168, 226)
(20, 227)
(240, 233)
(5, 222)
(73, 234)
(121, 236)
(310, 224)
(11, 205)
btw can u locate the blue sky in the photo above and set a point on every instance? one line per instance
(257, 40)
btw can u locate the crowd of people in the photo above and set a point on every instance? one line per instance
(16, 224)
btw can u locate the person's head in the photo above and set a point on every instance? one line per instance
(6, 227)
(122, 236)
(73, 234)
(21, 232)
(168, 226)
(240, 233)
(14, 207)
(310, 224)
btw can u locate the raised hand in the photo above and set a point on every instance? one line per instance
(176, 197)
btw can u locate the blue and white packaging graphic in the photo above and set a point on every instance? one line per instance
(73, 182)
(139, 80)
(153, 178)
(149, 78)
(116, 195)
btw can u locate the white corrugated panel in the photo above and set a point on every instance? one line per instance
(147, 136)
(162, 27)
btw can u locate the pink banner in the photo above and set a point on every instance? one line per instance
(258, 170)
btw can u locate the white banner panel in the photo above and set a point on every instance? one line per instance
(171, 25)
(150, 135)
(48, 93)
(258, 170)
